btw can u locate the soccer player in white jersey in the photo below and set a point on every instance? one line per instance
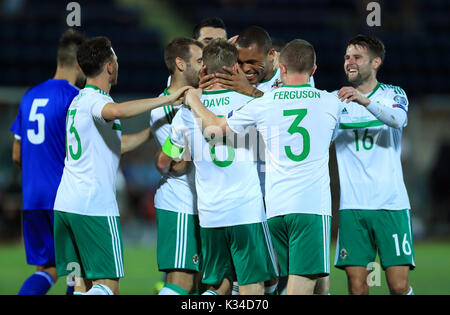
(178, 245)
(375, 211)
(256, 75)
(297, 122)
(87, 228)
(236, 243)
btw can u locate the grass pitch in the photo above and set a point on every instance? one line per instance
(431, 276)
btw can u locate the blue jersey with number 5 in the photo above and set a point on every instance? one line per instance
(40, 126)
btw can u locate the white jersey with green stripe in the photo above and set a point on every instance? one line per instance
(93, 149)
(297, 123)
(368, 155)
(174, 193)
(227, 183)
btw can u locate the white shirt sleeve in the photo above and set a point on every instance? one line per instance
(239, 120)
(97, 107)
(393, 115)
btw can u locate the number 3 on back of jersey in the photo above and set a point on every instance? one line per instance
(295, 128)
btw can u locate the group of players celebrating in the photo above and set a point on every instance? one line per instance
(244, 200)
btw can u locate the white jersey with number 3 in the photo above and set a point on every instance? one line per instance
(368, 155)
(297, 123)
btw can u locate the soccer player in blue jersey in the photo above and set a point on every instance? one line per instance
(38, 149)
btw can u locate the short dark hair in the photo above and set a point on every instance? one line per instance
(68, 46)
(298, 56)
(255, 35)
(374, 46)
(179, 47)
(208, 22)
(218, 53)
(93, 54)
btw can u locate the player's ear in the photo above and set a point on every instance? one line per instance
(110, 67)
(180, 64)
(236, 67)
(203, 71)
(283, 69)
(271, 54)
(313, 70)
(376, 63)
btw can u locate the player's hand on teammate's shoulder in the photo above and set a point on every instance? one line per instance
(350, 94)
(193, 97)
(177, 98)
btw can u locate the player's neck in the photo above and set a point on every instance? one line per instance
(295, 79)
(176, 82)
(215, 87)
(68, 74)
(99, 82)
(269, 74)
(367, 86)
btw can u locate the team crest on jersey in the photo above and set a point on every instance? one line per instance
(195, 259)
(400, 99)
(276, 84)
(343, 253)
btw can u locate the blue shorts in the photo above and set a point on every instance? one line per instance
(38, 237)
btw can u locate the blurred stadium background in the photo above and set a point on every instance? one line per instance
(416, 35)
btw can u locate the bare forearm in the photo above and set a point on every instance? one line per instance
(16, 155)
(129, 109)
(132, 141)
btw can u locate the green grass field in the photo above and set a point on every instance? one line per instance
(432, 274)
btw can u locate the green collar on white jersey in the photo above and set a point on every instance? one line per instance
(96, 88)
(267, 80)
(298, 86)
(374, 90)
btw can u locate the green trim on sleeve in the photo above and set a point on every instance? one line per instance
(372, 123)
(171, 149)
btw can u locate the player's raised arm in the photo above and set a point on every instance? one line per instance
(129, 109)
(207, 118)
(394, 115)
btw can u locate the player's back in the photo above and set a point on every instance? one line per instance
(297, 123)
(40, 124)
(226, 177)
(88, 183)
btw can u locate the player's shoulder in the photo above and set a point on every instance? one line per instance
(38, 88)
(329, 97)
(390, 88)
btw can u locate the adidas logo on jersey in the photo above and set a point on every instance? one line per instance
(344, 111)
